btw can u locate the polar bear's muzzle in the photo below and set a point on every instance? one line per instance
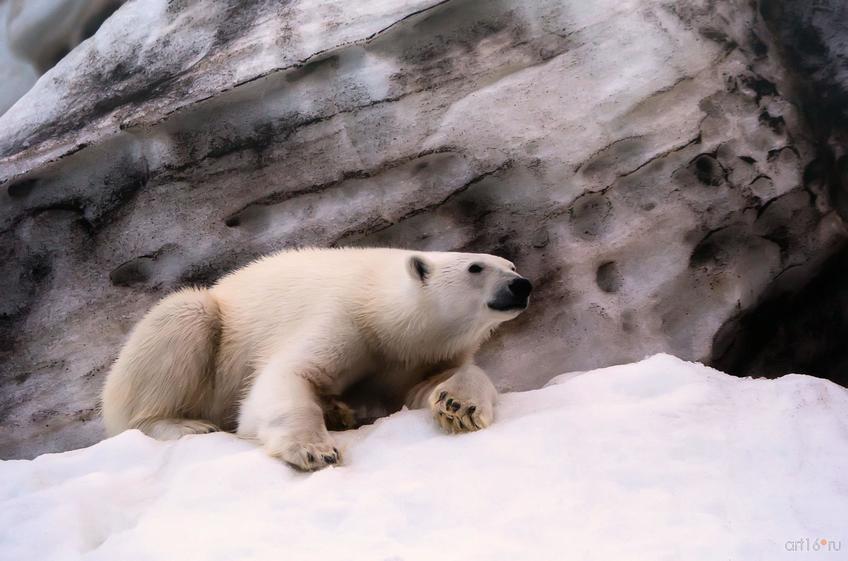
(513, 295)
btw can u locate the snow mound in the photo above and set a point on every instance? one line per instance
(662, 459)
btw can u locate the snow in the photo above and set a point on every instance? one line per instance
(661, 459)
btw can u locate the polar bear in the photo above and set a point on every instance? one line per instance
(264, 351)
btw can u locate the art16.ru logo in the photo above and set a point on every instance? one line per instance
(807, 544)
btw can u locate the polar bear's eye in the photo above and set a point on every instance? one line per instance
(475, 268)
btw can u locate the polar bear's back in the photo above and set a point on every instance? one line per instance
(285, 273)
(273, 298)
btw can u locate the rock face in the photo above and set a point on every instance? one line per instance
(35, 35)
(804, 329)
(645, 162)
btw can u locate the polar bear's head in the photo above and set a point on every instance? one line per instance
(474, 290)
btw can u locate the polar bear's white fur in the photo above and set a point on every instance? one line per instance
(262, 351)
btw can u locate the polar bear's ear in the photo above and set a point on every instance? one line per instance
(418, 268)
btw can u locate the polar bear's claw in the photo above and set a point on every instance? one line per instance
(456, 415)
(311, 456)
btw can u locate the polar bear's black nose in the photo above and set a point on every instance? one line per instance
(521, 287)
(512, 295)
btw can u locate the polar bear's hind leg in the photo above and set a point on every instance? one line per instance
(172, 429)
(165, 373)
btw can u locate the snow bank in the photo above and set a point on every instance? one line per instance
(657, 460)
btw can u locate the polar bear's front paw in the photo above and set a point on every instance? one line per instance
(308, 455)
(457, 413)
